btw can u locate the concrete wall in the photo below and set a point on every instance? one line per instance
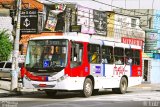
(155, 71)
(145, 15)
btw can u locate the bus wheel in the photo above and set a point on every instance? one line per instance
(50, 93)
(123, 87)
(87, 88)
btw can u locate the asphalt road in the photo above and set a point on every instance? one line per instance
(133, 98)
(83, 104)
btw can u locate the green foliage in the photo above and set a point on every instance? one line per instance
(5, 45)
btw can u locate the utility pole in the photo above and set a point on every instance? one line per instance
(15, 70)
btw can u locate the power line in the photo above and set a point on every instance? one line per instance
(151, 15)
(139, 4)
(121, 8)
(109, 5)
(106, 5)
(152, 3)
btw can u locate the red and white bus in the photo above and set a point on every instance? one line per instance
(79, 62)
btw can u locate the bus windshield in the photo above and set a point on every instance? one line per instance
(46, 53)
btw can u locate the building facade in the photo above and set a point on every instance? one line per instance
(150, 23)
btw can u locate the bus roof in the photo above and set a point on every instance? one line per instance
(71, 36)
(74, 36)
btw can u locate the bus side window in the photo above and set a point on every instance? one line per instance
(76, 54)
(128, 56)
(119, 55)
(94, 53)
(136, 57)
(107, 54)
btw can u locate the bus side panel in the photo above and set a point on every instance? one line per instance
(81, 70)
(86, 64)
(132, 81)
(136, 71)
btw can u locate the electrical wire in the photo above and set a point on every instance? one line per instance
(147, 14)
(93, 9)
(152, 3)
(119, 7)
(110, 19)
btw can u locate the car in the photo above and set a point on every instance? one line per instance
(6, 69)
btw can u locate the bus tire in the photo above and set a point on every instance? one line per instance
(87, 88)
(50, 93)
(122, 88)
(123, 85)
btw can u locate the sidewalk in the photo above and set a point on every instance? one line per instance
(141, 87)
(8, 93)
(146, 86)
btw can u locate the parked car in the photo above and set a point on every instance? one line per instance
(6, 69)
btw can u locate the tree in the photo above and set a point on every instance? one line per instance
(5, 45)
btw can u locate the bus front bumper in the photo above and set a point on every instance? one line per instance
(69, 83)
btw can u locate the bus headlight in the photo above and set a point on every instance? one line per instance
(27, 78)
(62, 78)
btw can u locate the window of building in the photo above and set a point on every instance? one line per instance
(150, 23)
(133, 22)
(94, 53)
(107, 54)
(76, 54)
(119, 55)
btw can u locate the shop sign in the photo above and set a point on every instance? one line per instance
(55, 19)
(156, 25)
(147, 55)
(21, 58)
(75, 28)
(92, 21)
(29, 21)
(100, 22)
(151, 41)
(156, 19)
(51, 21)
(132, 41)
(156, 56)
(122, 22)
(85, 19)
(110, 24)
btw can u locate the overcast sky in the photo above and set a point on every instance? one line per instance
(128, 4)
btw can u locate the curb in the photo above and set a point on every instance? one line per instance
(12, 94)
(22, 91)
(148, 87)
(9, 94)
(17, 93)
